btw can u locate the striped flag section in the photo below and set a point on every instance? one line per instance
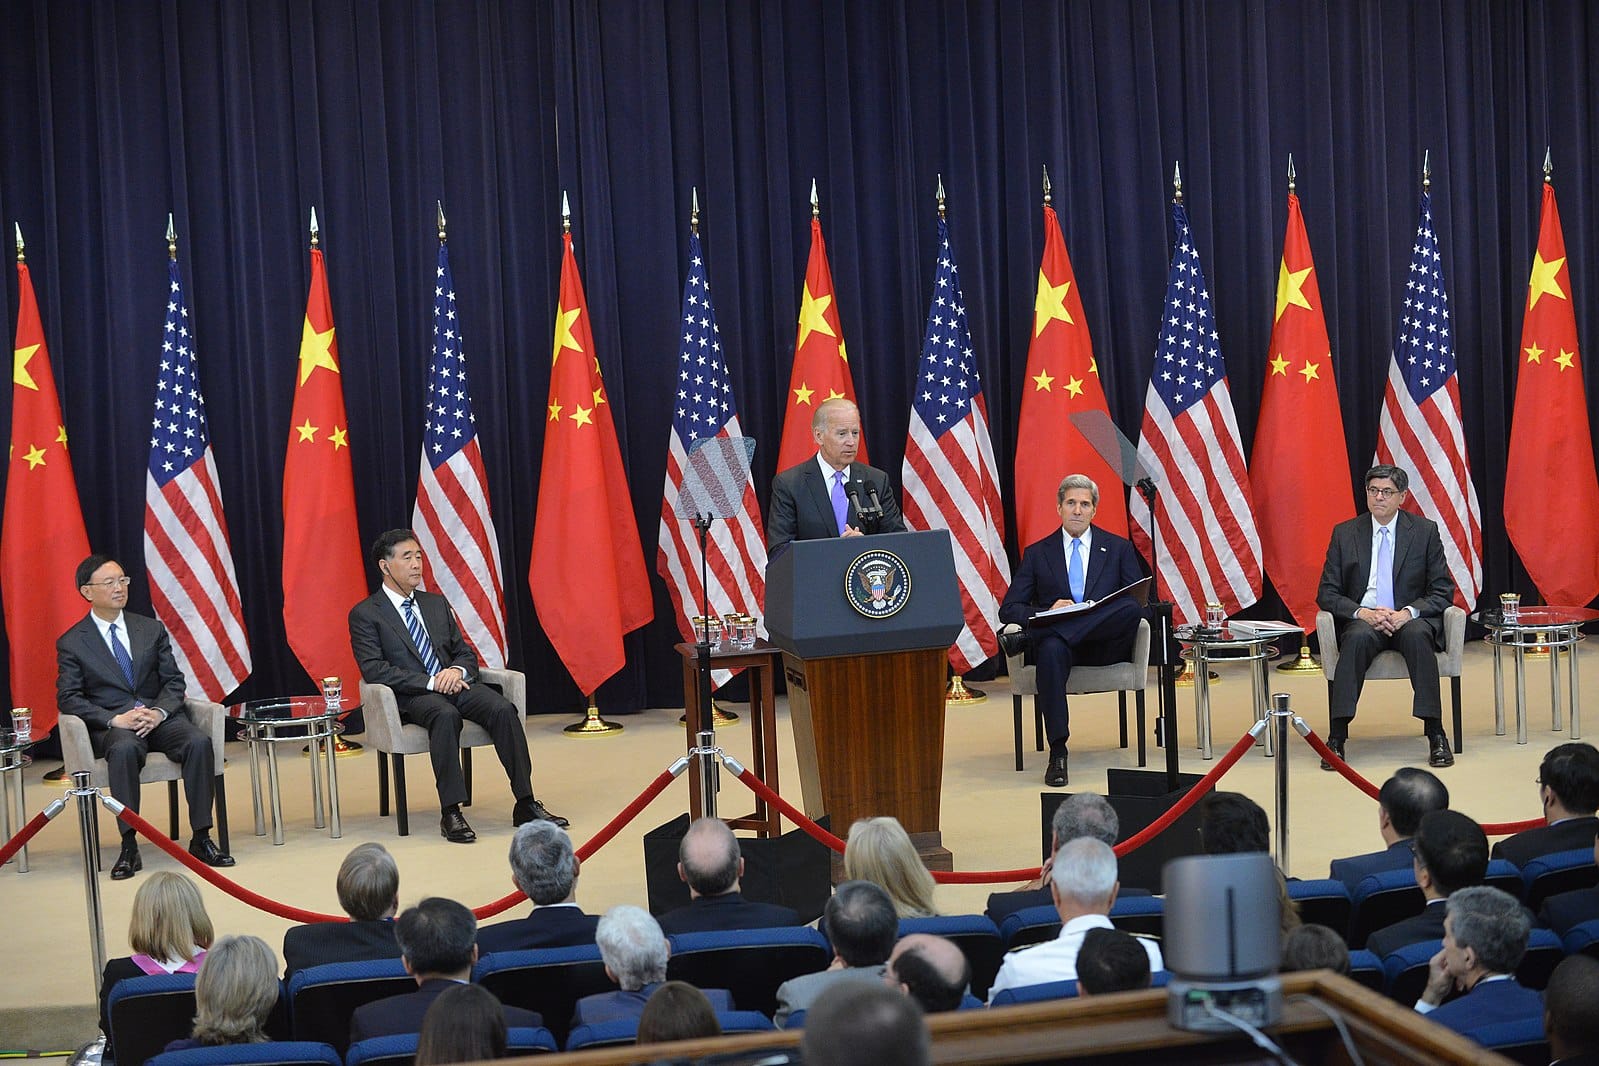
(1419, 429)
(452, 519)
(193, 587)
(704, 407)
(950, 478)
(1208, 546)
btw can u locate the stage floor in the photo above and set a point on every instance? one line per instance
(990, 816)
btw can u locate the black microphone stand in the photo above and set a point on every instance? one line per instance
(1162, 609)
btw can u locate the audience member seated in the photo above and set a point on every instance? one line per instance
(544, 868)
(168, 931)
(677, 1011)
(931, 970)
(1565, 909)
(1569, 1018)
(1083, 885)
(1451, 854)
(465, 1024)
(709, 862)
(369, 891)
(1231, 823)
(1315, 947)
(1485, 936)
(1111, 961)
(1082, 814)
(635, 952)
(865, 1025)
(1405, 797)
(438, 944)
(234, 994)
(1568, 789)
(880, 851)
(861, 925)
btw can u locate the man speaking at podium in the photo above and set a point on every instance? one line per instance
(1078, 564)
(831, 495)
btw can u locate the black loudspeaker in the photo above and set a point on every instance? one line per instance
(793, 869)
(1139, 797)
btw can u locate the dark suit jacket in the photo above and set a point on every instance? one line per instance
(91, 685)
(614, 1006)
(1001, 904)
(1421, 577)
(727, 911)
(1564, 910)
(1041, 578)
(1396, 856)
(383, 648)
(403, 1013)
(1490, 1004)
(320, 943)
(802, 504)
(1569, 835)
(547, 927)
(1428, 925)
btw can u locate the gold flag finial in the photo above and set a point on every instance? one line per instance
(21, 257)
(566, 213)
(315, 232)
(1292, 174)
(694, 210)
(1426, 170)
(1047, 197)
(941, 196)
(1548, 166)
(816, 203)
(1177, 182)
(172, 239)
(440, 204)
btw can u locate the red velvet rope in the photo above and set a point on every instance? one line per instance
(1178, 809)
(795, 815)
(18, 842)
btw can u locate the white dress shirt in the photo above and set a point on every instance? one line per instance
(1056, 960)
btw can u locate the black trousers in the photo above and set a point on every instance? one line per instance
(1359, 644)
(180, 740)
(1097, 638)
(441, 716)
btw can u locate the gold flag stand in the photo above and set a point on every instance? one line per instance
(959, 695)
(592, 724)
(1303, 663)
(722, 715)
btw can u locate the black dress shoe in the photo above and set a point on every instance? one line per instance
(1337, 748)
(454, 828)
(128, 863)
(1055, 776)
(206, 850)
(529, 809)
(1015, 642)
(1439, 753)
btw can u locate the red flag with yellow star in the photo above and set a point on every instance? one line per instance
(42, 539)
(1299, 467)
(1062, 379)
(1551, 492)
(587, 569)
(322, 571)
(821, 363)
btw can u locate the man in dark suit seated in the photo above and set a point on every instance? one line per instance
(1451, 853)
(1564, 910)
(1079, 563)
(709, 862)
(931, 970)
(408, 640)
(369, 891)
(543, 868)
(1569, 1018)
(1386, 584)
(1082, 814)
(823, 496)
(115, 670)
(635, 952)
(1485, 936)
(1568, 789)
(1404, 798)
(437, 944)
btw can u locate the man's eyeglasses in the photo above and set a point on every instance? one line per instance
(110, 583)
(1381, 492)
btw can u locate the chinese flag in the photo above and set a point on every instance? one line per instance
(42, 539)
(587, 571)
(1299, 469)
(1551, 493)
(322, 573)
(821, 365)
(1062, 379)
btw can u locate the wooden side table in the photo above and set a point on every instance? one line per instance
(761, 663)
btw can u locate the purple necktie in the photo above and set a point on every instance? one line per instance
(840, 503)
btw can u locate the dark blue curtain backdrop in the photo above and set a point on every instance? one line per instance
(238, 118)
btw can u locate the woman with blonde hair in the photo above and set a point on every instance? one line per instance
(169, 933)
(233, 995)
(880, 851)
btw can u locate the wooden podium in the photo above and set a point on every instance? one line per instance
(865, 625)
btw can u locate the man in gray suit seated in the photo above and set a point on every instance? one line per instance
(861, 924)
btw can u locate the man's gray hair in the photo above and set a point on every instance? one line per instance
(632, 945)
(1076, 481)
(1492, 923)
(542, 862)
(827, 407)
(1085, 871)
(1085, 814)
(1393, 473)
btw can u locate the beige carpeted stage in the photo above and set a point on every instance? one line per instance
(989, 817)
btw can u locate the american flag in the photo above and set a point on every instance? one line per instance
(452, 520)
(1420, 425)
(736, 548)
(186, 550)
(951, 481)
(1209, 549)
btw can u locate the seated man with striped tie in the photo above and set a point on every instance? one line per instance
(408, 640)
(1386, 585)
(115, 670)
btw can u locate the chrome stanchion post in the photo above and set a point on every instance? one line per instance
(1281, 714)
(87, 795)
(705, 751)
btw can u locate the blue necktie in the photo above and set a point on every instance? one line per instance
(419, 637)
(1074, 570)
(840, 503)
(1385, 569)
(124, 660)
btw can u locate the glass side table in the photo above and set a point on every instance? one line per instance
(298, 720)
(1558, 629)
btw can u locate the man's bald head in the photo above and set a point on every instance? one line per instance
(931, 970)
(708, 859)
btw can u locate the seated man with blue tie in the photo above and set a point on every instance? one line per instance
(116, 671)
(1079, 563)
(408, 640)
(823, 496)
(1386, 585)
